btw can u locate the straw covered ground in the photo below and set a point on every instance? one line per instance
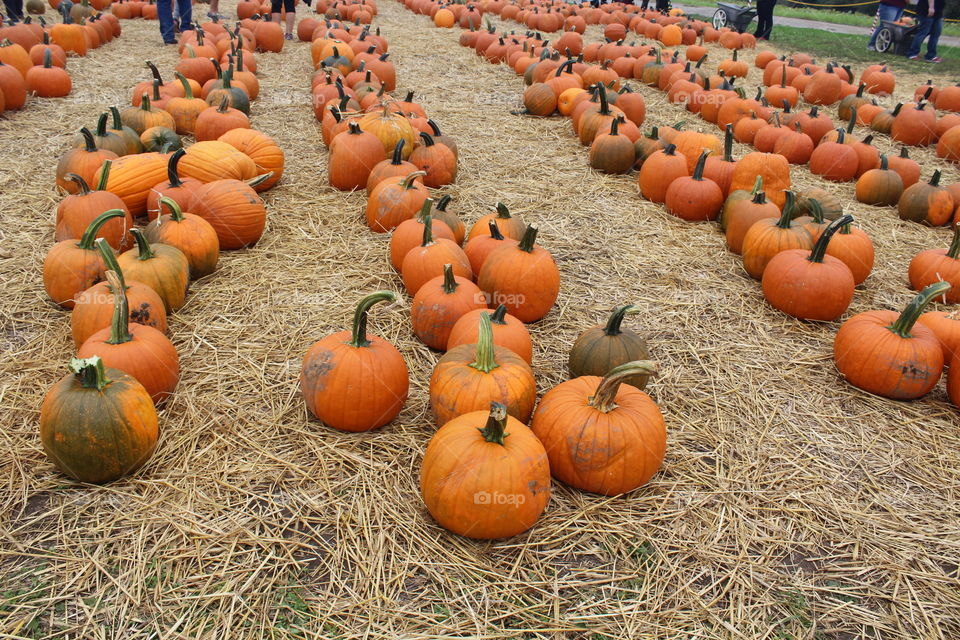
(790, 504)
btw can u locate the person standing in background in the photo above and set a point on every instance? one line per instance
(764, 19)
(290, 7)
(14, 10)
(930, 17)
(165, 17)
(889, 10)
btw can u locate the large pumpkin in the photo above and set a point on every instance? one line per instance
(602, 435)
(523, 277)
(233, 209)
(97, 424)
(337, 368)
(485, 475)
(162, 267)
(936, 265)
(74, 265)
(132, 176)
(772, 167)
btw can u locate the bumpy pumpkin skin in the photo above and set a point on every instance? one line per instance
(606, 453)
(482, 489)
(98, 436)
(603, 347)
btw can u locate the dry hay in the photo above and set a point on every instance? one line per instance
(790, 505)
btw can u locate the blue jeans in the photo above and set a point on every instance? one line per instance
(887, 12)
(165, 15)
(929, 26)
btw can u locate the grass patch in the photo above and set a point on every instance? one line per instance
(824, 15)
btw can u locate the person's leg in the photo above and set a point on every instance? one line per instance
(291, 10)
(888, 13)
(764, 18)
(935, 28)
(275, 10)
(186, 14)
(924, 25)
(165, 16)
(14, 9)
(214, 9)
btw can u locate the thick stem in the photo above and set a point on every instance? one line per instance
(397, 158)
(82, 187)
(495, 231)
(499, 315)
(757, 186)
(701, 161)
(603, 398)
(442, 204)
(614, 126)
(486, 360)
(360, 316)
(615, 319)
(408, 182)
(728, 144)
(529, 240)
(911, 313)
(176, 214)
(109, 259)
(104, 175)
(935, 179)
(144, 252)
(90, 234)
(954, 248)
(173, 177)
(427, 139)
(787, 216)
(101, 129)
(495, 429)
(427, 231)
(449, 280)
(90, 372)
(820, 247)
(88, 144)
(120, 322)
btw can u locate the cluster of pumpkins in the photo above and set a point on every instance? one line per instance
(808, 256)
(482, 391)
(120, 282)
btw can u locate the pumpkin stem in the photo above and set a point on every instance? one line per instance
(788, 208)
(104, 175)
(411, 178)
(528, 242)
(144, 252)
(728, 144)
(88, 144)
(615, 319)
(502, 212)
(444, 201)
(120, 323)
(820, 247)
(82, 187)
(434, 127)
(398, 152)
(495, 429)
(486, 360)
(449, 280)
(499, 315)
(935, 178)
(954, 249)
(101, 129)
(427, 139)
(109, 260)
(903, 152)
(145, 102)
(603, 398)
(176, 213)
(614, 126)
(701, 161)
(173, 177)
(883, 162)
(90, 372)
(757, 187)
(495, 231)
(360, 316)
(427, 226)
(90, 234)
(816, 210)
(911, 313)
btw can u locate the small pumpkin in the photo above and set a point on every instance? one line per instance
(162, 267)
(84, 162)
(600, 434)
(353, 155)
(694, 198)
(440, 303)
(809, 284)
(506, 456)
(469, 376)
(180, 190)
(508, 331)
(510, 226)
(409, 234)
(188, 232)
(604, 347)
(772, 167)
(743, 213)
(335, 367)
(234, 209)
(927, 203)
(936, 265)
(612, 152)
(890, 354)
(524, 277)
(451, 219)
(659, 171)
(395, 200)
(138, 350)
(881, 187)
(427, 261)
(92, 405)
(854, 247)
(213, 122)
(436, 160)
(768, 237)
(76, 212)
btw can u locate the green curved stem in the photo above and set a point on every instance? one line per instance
(911, 313)
(788, 208)
(90, 234)
(187, 89)
(120, 322)
(954, 248)
(603, 398)
(820, 247)
(110, 260)
(615, 319)
(144, 252)
(360, 316)
(176, 213)
(411, 178)
(701, 161)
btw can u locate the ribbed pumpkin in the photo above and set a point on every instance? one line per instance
(612, 152)
(523, 277)
(162, 267)
(48, 80)
(188, 232)
(508, 332)
(604, 347)
(511, 226)
(387, 167)
(835, 161)
(395, 200)
(185, 110)
(389, 128)
(132, 176)
(337, 368)
(927, 203)
(485, 475)
(471, 376)
(478, 248)
(428, 260)
(233, 209)
(809, 284)
(440, 303)
(74, 265)
(76, 212)
(773, 168)
(881, 187)
(353, 155)
(743, 213)
(93, 406)
(436, 160)
(145, 116)
(935, 265)
(659, 171)
(694, 198)
(180, 190)
(212, 160)
(600, 434)
(409, 234)
(138, 350)
(768, 237)
(890, 354)
(83, 162)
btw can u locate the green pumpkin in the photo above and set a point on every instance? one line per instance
(601, 348)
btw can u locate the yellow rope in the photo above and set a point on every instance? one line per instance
(830, 6)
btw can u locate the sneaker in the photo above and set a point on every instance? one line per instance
(936, 60)
(169, 42)
(288, 36)
(870, 47)
(912, 57)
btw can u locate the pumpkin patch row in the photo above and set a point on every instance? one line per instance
(806, 281)
(121, 282)
(33, 56)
